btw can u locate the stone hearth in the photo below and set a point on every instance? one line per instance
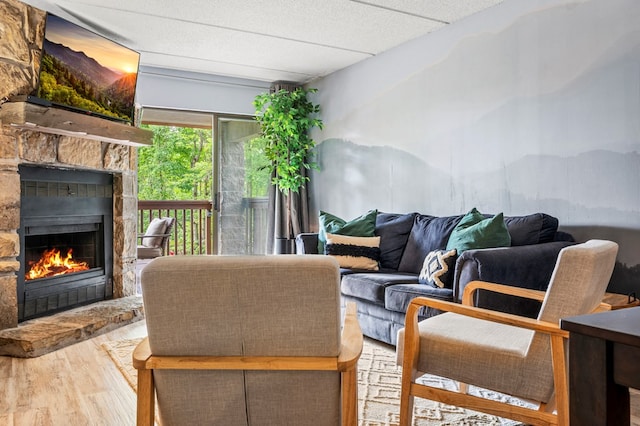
(43, 335)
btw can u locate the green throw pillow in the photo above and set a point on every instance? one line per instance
(363, 226)
(474, 231)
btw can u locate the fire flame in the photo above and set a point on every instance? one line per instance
(51, 263)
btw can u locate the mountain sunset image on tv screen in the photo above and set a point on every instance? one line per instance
(84, 71)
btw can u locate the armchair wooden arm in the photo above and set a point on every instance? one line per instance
(610, 301)
(346, 362)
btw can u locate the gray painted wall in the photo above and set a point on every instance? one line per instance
(525, 107)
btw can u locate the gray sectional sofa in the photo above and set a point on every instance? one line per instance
(405, 240)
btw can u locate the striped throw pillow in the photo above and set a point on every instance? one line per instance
(354, 252)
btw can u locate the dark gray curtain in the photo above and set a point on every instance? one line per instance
(277, 215)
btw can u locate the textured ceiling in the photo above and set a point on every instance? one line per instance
(267, 40)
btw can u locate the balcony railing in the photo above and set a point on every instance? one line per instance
(192, 230)
(255, 211)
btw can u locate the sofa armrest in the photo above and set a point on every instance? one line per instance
(528, 266)
(307, 243)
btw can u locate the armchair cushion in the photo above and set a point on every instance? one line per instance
(153, 235)
(148, 252)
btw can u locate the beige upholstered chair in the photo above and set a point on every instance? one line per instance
(247, 340)
(518, 356)
(155, 241)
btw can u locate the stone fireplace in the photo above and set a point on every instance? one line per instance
(19, 148)
(83, 147)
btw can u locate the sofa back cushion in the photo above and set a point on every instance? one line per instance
(393, 230)
(427, 234)
(535, 228)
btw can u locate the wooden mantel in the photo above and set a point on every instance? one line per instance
(38, 118)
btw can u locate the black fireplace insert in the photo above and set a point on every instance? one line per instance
(66, 239)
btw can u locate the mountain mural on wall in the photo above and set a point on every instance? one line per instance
(527, 108)
(404, 183)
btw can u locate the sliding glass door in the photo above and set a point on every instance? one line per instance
(242, 183)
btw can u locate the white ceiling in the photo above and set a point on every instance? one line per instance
(266, 40)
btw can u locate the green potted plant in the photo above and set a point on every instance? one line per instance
(285, 118)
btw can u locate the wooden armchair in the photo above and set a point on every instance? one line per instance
(513, 355)
(247, 340)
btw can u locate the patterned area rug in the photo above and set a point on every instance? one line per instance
(378, 389)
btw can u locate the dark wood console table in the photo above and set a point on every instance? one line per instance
(604, 362)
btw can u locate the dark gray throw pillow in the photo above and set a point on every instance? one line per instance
(427, 234)
(393, 230)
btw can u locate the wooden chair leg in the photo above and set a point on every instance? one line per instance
(558, 358)
(146, 398)
(409, 376)
(409, 364)
(350, 397)
(406, 407)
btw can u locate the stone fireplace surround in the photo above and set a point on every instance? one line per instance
(22, 143)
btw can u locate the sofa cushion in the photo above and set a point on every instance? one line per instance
(535, 228)
(371, 286)
(475, 231)
(354, 252)
(438, 268)
(363, 226)
(393, 230)
(397, 297)
(427, 234)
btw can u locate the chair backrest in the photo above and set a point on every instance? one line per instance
(579, 280)
(157, 233)
(164, 244)
(577, 286)
(244, 306)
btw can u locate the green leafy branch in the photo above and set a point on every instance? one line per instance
(285, 119)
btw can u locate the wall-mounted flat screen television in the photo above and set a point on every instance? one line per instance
(86, 72)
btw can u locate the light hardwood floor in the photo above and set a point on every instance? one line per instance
(77, 385)
(80, 385)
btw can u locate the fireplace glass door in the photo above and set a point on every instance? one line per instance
(66, 240)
